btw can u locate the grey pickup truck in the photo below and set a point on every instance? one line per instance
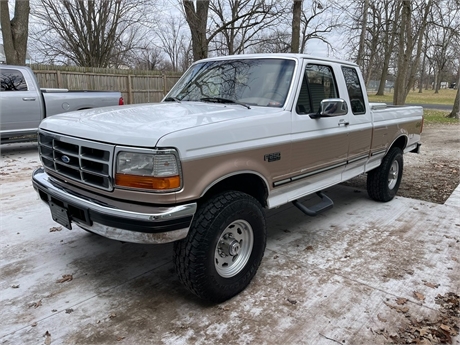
(23, 104)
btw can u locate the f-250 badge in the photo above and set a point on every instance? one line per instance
(271, 157)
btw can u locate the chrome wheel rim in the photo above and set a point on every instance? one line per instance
(393, 174)
(233, 248)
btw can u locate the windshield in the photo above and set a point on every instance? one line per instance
(261, 82)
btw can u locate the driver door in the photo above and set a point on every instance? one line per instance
(319, 145)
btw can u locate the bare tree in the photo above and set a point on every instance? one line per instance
(392, 9)
(172, 38)
(149, 57)
(373, 43)
(403, 51)
(296, 17)
(186, 55)
(423, 67)
(15, 31)
(424, 11)
(362, 37)
(456, 109)
(196, 14)
(411, 34)
(90, 33)
(318, 20)
(239, 23)
(443, 35)
(234, 25)
(278, 41)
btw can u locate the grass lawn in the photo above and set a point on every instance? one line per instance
(445, 96)
(438, 116)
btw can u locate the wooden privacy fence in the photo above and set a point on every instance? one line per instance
(135, 88)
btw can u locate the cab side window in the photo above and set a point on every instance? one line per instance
(318, 83)
(12, 80)
(355, 91)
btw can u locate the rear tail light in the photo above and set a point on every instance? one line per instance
(121, 101)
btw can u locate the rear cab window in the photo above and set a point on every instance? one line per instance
(318, 83)
(355, 91)
(12, 80)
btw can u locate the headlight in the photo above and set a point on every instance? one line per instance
(157, 170)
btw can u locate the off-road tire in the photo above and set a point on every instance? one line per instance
(383, 182)
(195, 257)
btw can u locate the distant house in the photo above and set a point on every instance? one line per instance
(3, 57)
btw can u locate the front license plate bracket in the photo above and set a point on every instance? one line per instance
(60, 215)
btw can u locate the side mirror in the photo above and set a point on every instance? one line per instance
(331, 107)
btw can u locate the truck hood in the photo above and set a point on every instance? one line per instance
(144, 124)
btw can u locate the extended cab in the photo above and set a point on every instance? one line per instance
(23, 104)
(235, 135)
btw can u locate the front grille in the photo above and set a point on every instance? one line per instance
(77, 159)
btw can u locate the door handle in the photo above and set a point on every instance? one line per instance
(344, 123)
(28, 98)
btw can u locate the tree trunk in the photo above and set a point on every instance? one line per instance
(403, 58)
(419, 37)
(295, 37)
(383, 79)
(15, 32)
(435, 83)
(362, 36)
(422, 75)
(372, 56)
(456, 110)
(389, 48)
(422, 72)
(197, 20)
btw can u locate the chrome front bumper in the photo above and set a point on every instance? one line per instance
(161, 225)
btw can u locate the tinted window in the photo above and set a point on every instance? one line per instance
(318, 83)
(355, 91)
(12, 80)
(263, 82)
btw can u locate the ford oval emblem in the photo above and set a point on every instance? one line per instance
(65, 159)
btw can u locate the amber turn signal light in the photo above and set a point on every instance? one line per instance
(147, 182)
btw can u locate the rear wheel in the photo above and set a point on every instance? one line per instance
(383, 182)
(224, 247)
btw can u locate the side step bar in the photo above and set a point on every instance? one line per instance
(325, 204)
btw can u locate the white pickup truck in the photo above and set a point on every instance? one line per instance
(23, 104)
(235, 135)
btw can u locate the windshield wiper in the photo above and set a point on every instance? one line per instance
(223, 100)
(173, 99)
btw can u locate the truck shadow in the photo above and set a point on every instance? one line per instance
(108, 265)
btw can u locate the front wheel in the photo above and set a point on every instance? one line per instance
(224, 247)
(383, 182)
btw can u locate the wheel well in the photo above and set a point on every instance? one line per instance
(400, 142)
(247, 183)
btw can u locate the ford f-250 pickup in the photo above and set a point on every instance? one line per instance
(23, 104)
(235, 135)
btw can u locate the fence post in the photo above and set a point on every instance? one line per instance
(59, 80)
(164, 85)
(130, 90)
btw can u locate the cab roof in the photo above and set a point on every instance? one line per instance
(281, 56)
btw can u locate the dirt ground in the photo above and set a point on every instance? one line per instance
(433, 174)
